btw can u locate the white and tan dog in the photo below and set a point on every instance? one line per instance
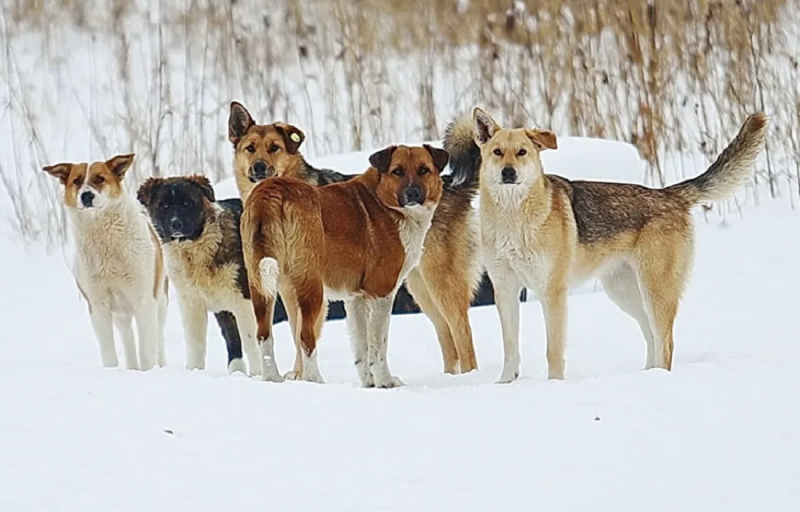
(547, 233)
(118, 262)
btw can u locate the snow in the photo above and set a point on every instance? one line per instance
(717, 433)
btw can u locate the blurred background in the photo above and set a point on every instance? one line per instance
(86, 79)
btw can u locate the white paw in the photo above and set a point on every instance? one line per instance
(391, 382)
(195, 366)
(508, 376)
(292, 375)
(272, 377)
(237, 365)
(255, 370)
(313, 377)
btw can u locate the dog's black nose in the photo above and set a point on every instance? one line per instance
(86, 199)
(412, 195)
(176, 224)
(509, 175)
(260, 171)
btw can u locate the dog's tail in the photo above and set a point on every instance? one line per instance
(465, 155)
(268, 271)
(732, 169)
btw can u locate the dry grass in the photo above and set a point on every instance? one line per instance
(665, 76)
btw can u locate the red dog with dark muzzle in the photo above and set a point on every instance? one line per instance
(355, 241)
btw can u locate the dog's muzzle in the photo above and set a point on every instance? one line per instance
(87, 198)
(259, 171)
(176, 229)
(508, 175)
(411, 196)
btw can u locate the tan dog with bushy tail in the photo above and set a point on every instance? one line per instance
(548, 233)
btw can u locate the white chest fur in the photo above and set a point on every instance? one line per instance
(115, 255)
(413, 229)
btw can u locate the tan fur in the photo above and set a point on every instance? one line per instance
(444, 283)
(547, 233)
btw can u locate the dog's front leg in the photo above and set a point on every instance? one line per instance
(195, 325)
(377, 342)
(357, 317)
(103, 327)
(554, 306)
(124, 325)
(146, 316)
(506, 294)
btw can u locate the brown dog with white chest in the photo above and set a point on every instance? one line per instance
(354, 241)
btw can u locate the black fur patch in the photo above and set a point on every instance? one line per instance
(604, 211)
(230, 331)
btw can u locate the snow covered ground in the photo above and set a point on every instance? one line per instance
(717, 433)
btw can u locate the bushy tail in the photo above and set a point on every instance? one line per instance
(465, 155)
(732, 169)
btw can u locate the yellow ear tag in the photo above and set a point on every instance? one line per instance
(295, 137)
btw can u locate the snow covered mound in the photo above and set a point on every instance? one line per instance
(719, 433)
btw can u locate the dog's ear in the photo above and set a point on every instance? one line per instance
(202, 183)
(440, 156)
(293, 137)
(485, 126)
(119, 165)
(542, 139)
(145, 192)
(382, 159)
(239, 122)
(60, 171)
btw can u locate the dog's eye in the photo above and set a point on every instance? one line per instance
(498, 152)
(423, 171)
(164, 206)
(522, 152)
(99, 180)
(251, 148)
(77, 182)
(397, 171)
(273, 148)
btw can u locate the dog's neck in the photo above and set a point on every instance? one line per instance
(119, 217)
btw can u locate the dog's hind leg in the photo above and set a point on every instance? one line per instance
(146, 316)
(310, 298)
(377, 342)
(665, 259)
(233, 342)
(622, 287)
(124, 325)
(292, 314)
(506, 293)
(357, 317)
(422, 296)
